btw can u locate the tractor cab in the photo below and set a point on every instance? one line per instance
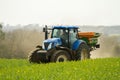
(68, 35)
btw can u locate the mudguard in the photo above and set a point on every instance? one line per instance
(77, 43)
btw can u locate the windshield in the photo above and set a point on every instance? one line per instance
(57, 33)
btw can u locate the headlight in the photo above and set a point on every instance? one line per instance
(51, 45)
(45, 45)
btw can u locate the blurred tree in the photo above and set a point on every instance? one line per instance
(0, 26)
(2, 34)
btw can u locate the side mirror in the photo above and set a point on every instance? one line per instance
(43, 29)
(74, 30)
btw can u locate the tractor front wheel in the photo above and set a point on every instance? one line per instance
(34, 57)
(60, 56)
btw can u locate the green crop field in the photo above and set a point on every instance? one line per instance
(93, 69)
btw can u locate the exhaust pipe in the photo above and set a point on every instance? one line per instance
(46, 32)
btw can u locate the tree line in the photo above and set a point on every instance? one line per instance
(18, 43)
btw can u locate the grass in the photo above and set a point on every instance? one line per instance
(93, 69)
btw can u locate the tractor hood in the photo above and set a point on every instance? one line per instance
(51, 43)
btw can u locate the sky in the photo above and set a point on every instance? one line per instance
(60, 12)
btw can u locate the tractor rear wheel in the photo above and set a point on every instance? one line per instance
(34, 57)
(60, 56)
(83, 52)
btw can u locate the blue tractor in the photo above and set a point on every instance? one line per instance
(64, 45)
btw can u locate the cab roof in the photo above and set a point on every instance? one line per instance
(65, 27)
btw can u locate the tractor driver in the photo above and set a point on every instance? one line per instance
(64, 37)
